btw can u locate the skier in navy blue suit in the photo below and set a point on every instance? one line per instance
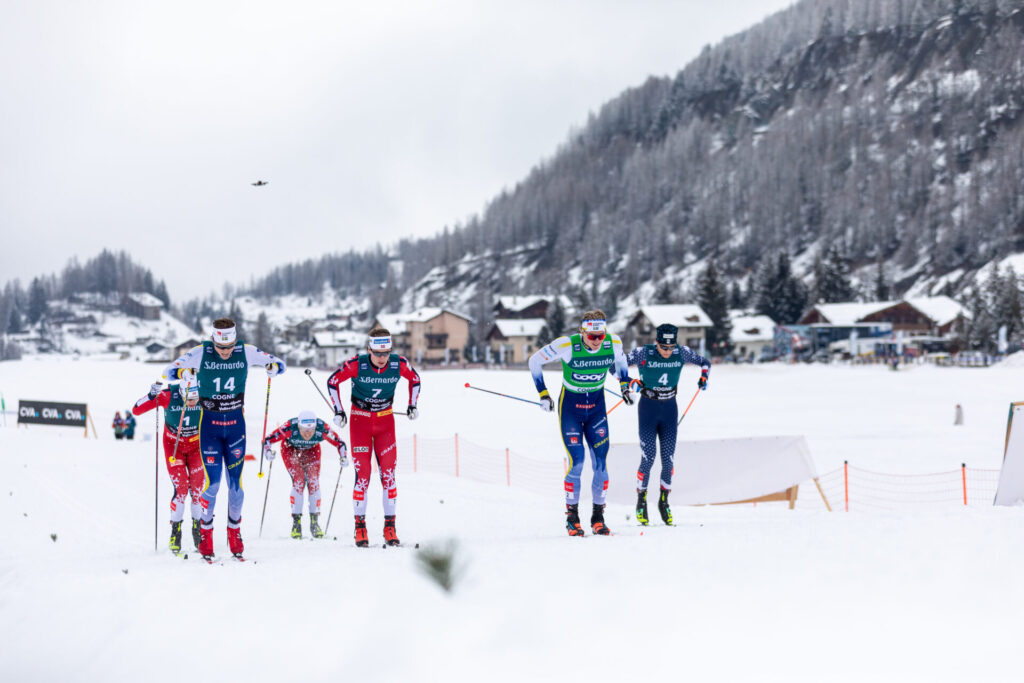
(660, 365)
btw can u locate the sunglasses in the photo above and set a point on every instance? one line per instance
(666, 347)
(222, 347)
(380, 354)
(595, 336)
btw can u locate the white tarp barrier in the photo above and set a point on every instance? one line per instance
(717, 470)
(1011, 478)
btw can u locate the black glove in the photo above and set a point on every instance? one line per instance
(412, 413)
(703, 381)
(340, 418)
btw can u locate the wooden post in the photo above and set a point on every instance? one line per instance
(508, 470)
(456, 455)
(413, 452)
(963, 476)
(88, 415)
(818, 484)
(792, 494)
(846, 484)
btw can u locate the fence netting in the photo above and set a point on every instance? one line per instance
(847, 488)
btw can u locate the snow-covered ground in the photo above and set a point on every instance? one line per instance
(730, 593)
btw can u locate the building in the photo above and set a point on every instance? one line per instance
(184, 347)
(927, 323)
(530, 306)
(692, 321)
(513, 340)
(333, 348)
(142, 305)
(429, 335)
(751, 334)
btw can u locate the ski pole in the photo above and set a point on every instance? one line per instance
(156, 477)
(309, 374)
(333, 498)
(263, 441)
(688, 407)
(264, 514)
(631, 382)
(524, 400)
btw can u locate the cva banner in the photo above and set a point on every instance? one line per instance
(48, 413)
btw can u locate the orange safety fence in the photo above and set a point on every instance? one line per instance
(857, 489)
(847, 487)
(464, 459)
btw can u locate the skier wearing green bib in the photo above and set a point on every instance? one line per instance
(586, 357)
(221, 365)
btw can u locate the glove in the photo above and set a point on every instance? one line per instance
(340, 418)
(342, 455)
(412, 413)
(546, 404)
(273, 369)
(627, 395)
(155, 389)
(268, 452)
(703, 381)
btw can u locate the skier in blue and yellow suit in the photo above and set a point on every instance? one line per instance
(220, 366)
(586, 357)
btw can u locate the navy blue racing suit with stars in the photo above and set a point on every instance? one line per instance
(658, 412)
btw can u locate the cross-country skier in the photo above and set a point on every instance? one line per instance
(301, 454)
(129, 425)
(180, 402)
(586, 357)
(660, 365)
(374, 376)
(221, 366)
(118, 425)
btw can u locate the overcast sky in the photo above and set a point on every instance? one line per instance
(140, 125)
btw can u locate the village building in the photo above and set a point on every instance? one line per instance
(513, 340)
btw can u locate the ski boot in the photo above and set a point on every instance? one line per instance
(572, 520)
(666, 513)
(175, 543)
(597, 521)
(390, 535)
(296, 526)
(641, 506)
(196, 536)
(206, 542)
(314, 526)
(235, 537)
(361, 540)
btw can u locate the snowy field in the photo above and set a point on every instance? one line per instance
(730, 593)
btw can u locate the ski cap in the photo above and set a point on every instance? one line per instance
(224, 336)
(668, 334)
(380, 343)
(307, 419)
(188, 390)
(594, 325)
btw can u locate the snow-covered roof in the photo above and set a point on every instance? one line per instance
(680, 315)
(850, 313)
(752, 328)
(345, 338)
(524, 327)
(395, 323)
(145, 299)
(519, 302)
(941, 309)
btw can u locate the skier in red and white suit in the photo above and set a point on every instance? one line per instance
(300, 450)
(181, 407)
(375, 375)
